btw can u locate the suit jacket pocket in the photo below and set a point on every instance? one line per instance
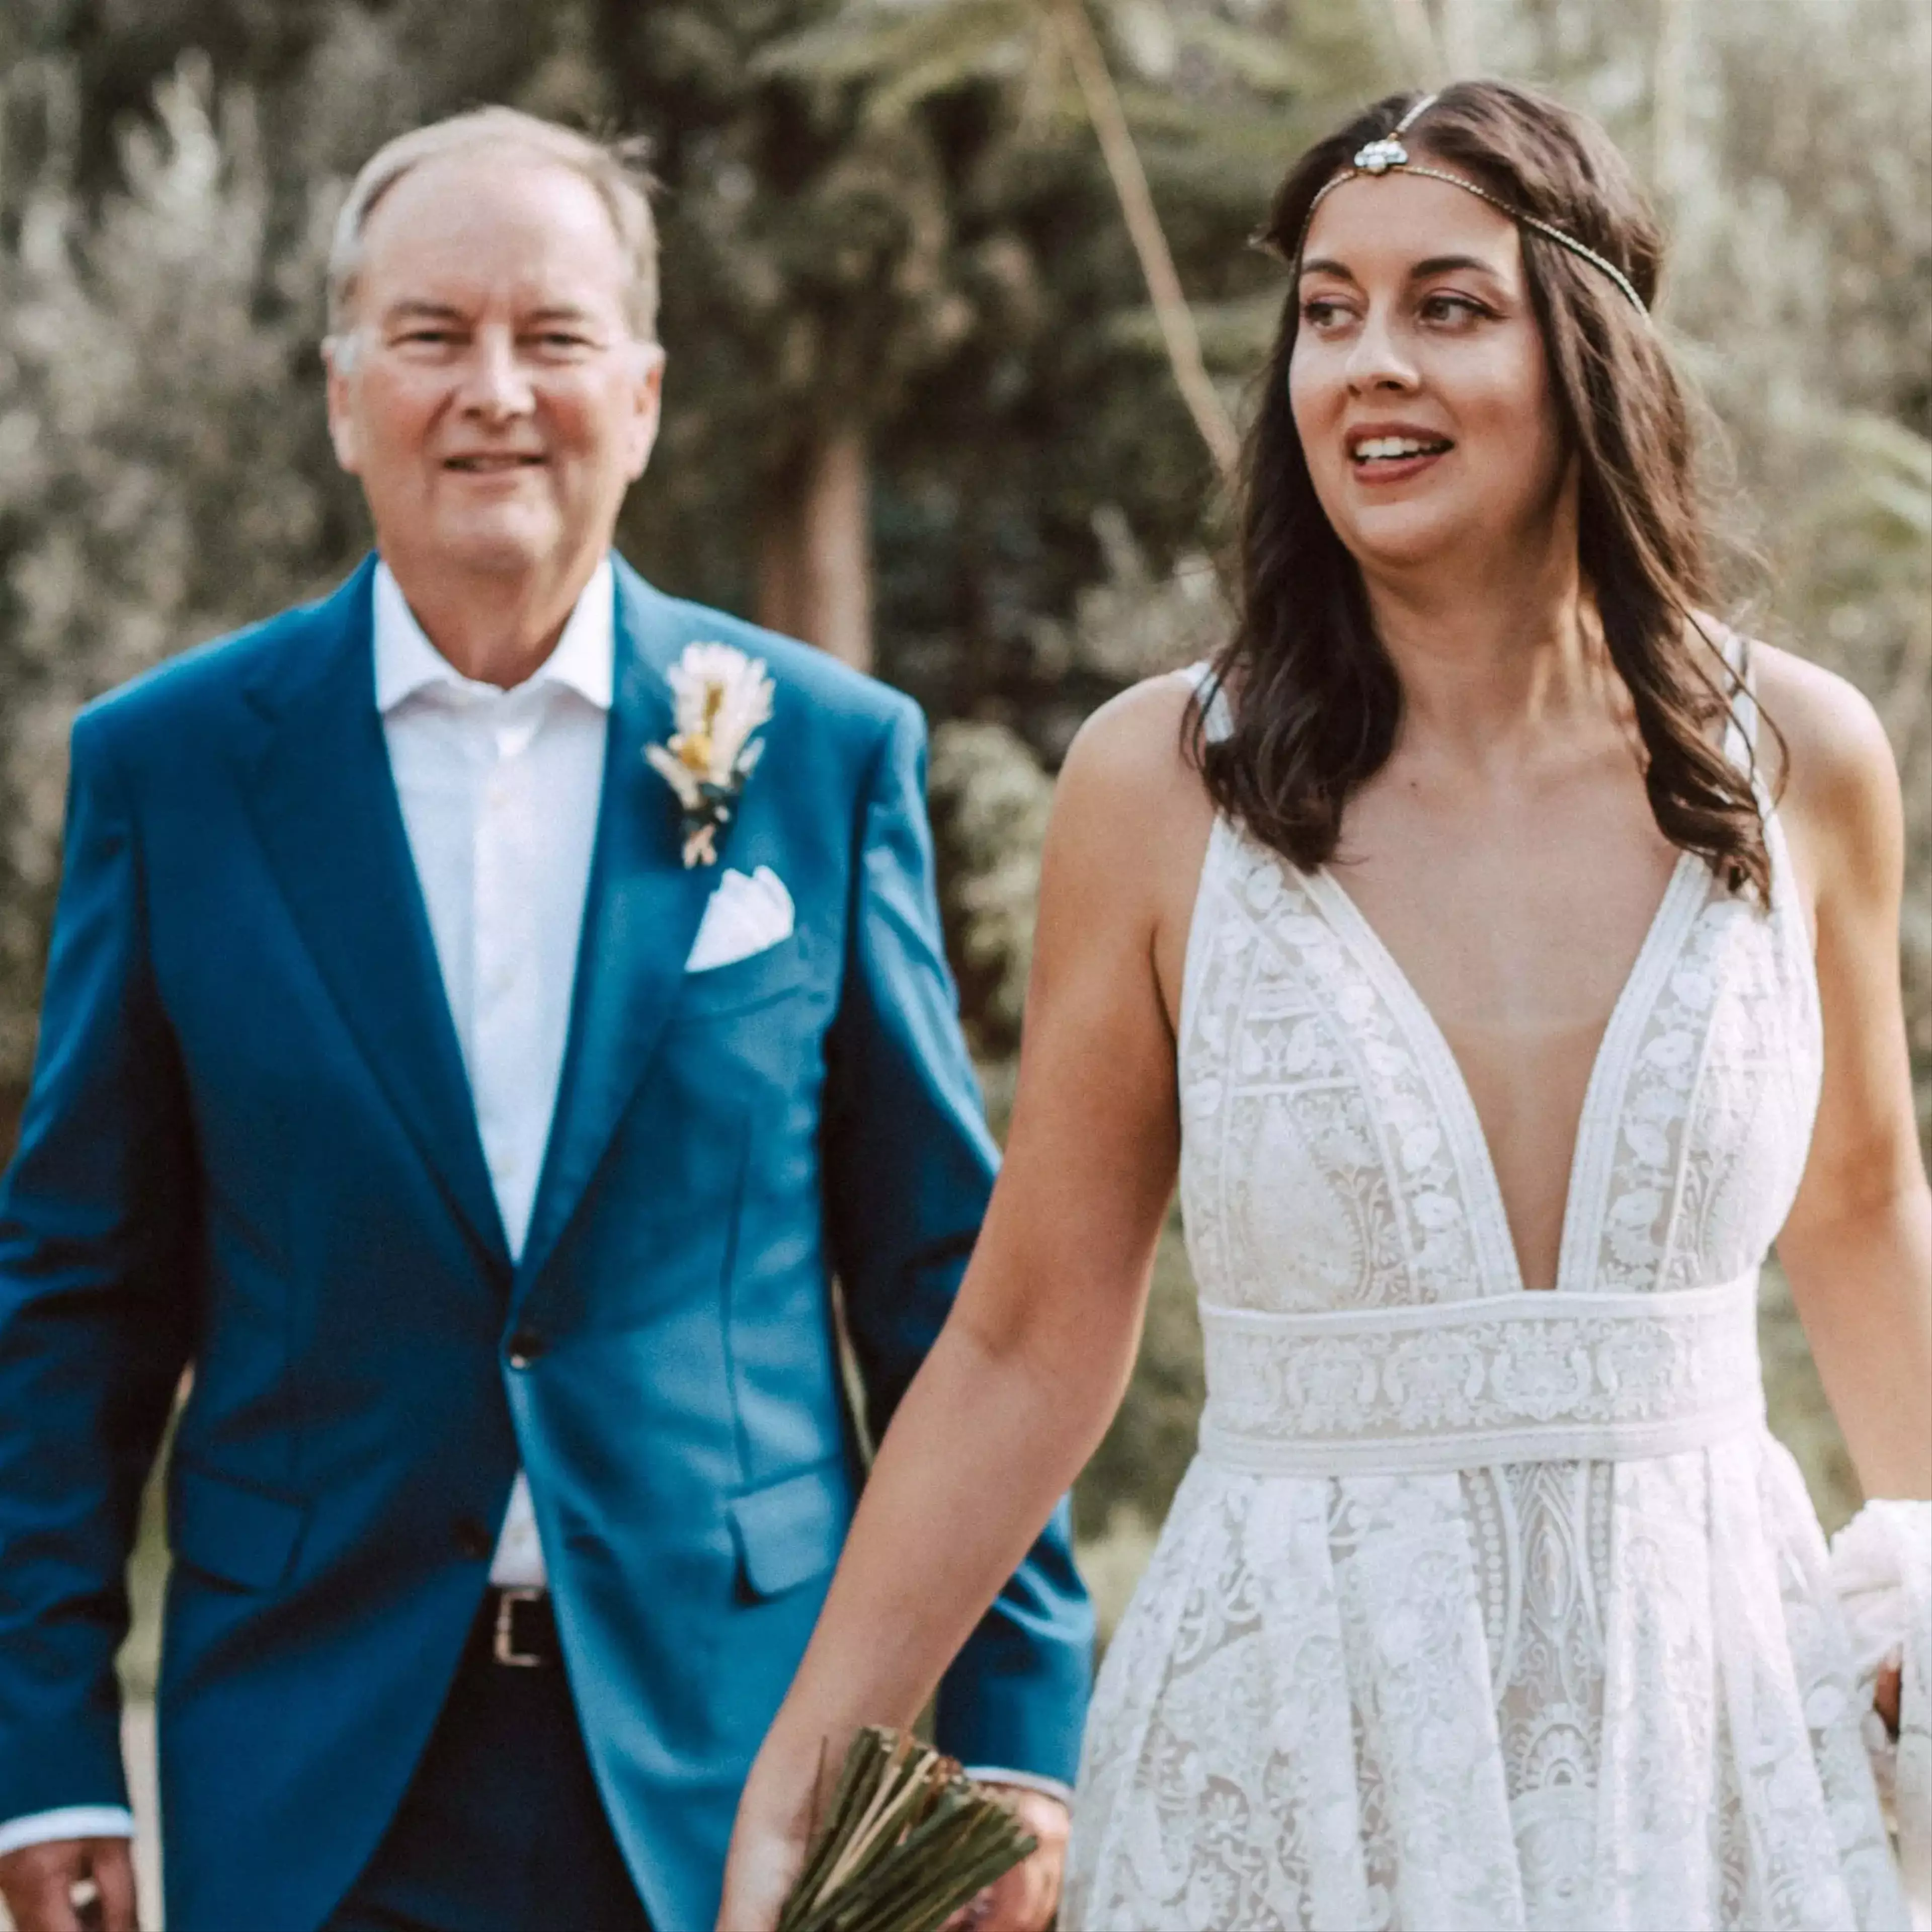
(232, 1530)
(753, 981)
(791, 1530)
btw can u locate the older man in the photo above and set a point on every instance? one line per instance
(486, 1009)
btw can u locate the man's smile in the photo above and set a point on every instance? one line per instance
(494, 462)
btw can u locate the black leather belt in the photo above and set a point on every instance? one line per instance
(522, 1628)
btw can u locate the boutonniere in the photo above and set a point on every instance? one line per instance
(722, 698)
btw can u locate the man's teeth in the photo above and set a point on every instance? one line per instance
(1386, 448)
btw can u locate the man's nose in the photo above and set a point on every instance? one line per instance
(1377, 358)
(496, 386)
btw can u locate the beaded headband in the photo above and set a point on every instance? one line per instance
(1379, 157)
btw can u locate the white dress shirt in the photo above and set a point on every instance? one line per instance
(499, 792)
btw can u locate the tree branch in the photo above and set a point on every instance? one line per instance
(1171, 310)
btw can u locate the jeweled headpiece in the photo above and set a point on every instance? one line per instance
(1380, 157)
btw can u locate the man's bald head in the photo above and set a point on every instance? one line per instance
(614, 170)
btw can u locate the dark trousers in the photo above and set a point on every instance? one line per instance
(501, 1829)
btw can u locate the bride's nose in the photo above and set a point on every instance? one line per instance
(1377, 359)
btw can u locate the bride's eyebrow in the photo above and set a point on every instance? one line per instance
(1434, 265)
(1443, 265)
(1419, 273)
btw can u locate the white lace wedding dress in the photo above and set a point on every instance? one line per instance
(1481, 1608)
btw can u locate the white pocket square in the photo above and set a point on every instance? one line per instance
(743, 915)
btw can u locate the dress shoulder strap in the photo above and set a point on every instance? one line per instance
(1740, 742)
(1217, 715)
(1741, 737)
(1741, 731)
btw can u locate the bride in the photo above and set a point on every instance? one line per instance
(1503, 954)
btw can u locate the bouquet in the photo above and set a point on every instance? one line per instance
(909, 1839)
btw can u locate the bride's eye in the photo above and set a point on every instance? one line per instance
(1455, 311)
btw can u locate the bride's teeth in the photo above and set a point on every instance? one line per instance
(1391, 446)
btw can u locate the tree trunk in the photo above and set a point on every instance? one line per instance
(815, 547)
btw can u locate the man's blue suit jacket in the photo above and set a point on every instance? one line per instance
(250, 1148)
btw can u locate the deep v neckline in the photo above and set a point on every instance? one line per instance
(1598, 1124)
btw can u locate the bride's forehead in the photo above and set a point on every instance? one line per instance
(1373, 226)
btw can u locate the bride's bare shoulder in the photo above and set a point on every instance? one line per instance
(1130, 808)
(1137, 746)
(1831, 736)
(1832, 764)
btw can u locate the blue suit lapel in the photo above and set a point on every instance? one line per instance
(325, 804)
(641, 917)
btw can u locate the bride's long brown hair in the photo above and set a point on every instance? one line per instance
(1316, 698)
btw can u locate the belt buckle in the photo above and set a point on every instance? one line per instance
(503, 1646)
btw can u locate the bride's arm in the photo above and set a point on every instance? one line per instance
(1023, 1380)
(1857, 1244)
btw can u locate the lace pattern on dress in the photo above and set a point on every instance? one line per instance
(1308, 1127)
(1608, 1688)
(1534, 1379)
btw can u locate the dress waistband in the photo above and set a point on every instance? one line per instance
(1531, 1377)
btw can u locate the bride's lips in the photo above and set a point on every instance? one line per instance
(1384, 453)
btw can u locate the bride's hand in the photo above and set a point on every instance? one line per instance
(768, 1839)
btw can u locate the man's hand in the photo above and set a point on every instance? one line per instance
(1026, 1899)
(70, 1884)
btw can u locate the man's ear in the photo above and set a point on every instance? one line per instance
(647, 398)
(338, 357)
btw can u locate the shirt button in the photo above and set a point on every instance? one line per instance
(473, 1539)
(526, 1345)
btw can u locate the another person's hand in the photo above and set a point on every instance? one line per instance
(1885, 1694)
(1026, 1899)
(70, 1884)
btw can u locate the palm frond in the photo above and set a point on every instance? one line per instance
(908, 49)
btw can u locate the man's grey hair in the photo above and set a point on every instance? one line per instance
(615, 169)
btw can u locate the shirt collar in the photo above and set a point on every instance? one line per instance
(584, 658)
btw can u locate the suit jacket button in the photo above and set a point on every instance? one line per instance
(473, 1538)
(526, 1345)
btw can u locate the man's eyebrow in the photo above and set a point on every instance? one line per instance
(415, 309)
(563, 312)
(419, 308)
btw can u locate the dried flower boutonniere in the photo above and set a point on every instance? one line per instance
(722, 698)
